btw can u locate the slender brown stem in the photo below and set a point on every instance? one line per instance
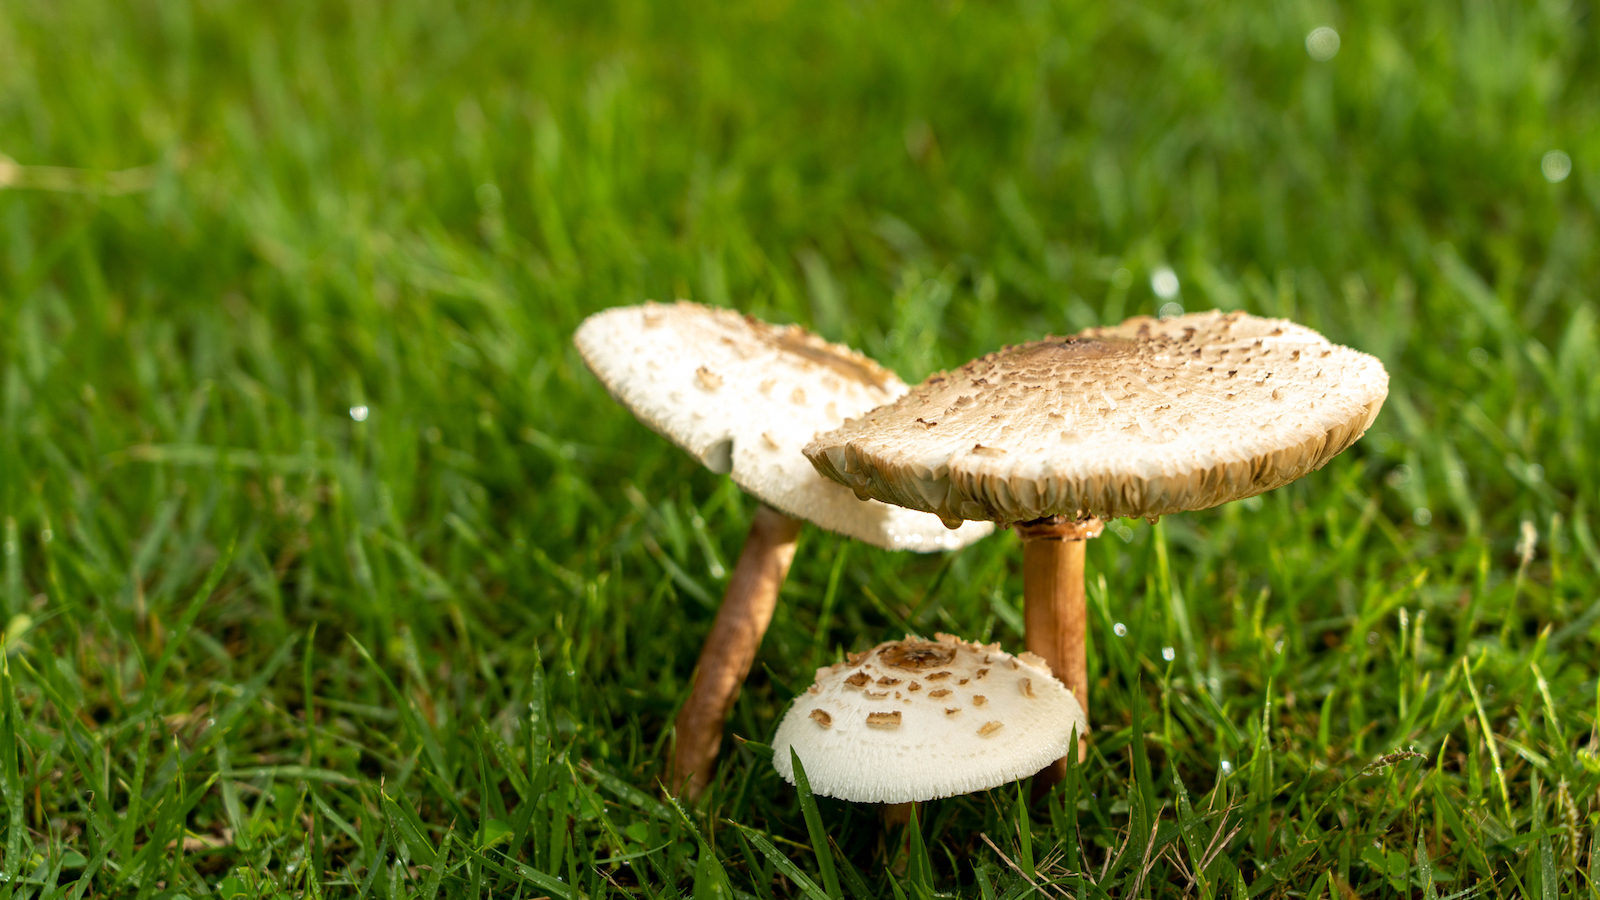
(1054, 612)
(898, 815)
(730, 648)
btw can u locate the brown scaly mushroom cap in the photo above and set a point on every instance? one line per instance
(743, 397)
(1142, 419)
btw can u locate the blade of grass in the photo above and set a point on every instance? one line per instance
(819, 841)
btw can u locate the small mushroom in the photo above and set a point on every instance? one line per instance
(1141, 419)
(927, 748)
(742, 397)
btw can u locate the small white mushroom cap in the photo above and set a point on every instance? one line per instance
(743, 397)
(916, 720)
(1142, 419)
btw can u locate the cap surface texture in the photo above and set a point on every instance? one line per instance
(744, 397)
(1146, 418)
(916, 719)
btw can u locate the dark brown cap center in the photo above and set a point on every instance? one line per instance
(916, 655)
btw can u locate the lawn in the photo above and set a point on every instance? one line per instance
(329, 571)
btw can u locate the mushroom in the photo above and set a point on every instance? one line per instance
(1143, 419)
(961, 717)
(743, 397)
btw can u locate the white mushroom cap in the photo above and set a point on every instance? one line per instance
(1143, 419)
(743, 397)
(915, 720)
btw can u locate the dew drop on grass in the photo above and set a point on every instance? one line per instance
(1168, 654)
(1227, 767)
(47, 535)
(1322, 43)
(1278, 647)
(1372, 639)
(1422, 515)
(359, 413)
(1120, 629)
(1164, 282)
(1555, 166)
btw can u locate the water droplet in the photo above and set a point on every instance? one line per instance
(1556, 166)
(1122, 279)
(1322, 43)
(47, 535)
(1278, 647)
(1164, 282)
(359, 413)
(1120, 629)
(1169, 654)
(1421, 515)
(1227, 767)
(1372, 639)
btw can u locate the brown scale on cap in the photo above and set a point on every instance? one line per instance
(979, 699)
(884, 719)
(707, 378)
(821, 718)
(1034, 659)
(938, 676)
(989, 728)
(1026, 686)
(942, 692)
(949, 712)
(978, 675)
(913, 686)
(886, 681)
(875, 695)
(857, 679)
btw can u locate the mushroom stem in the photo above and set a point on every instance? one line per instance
(897, 814)
(730, 648)
(1054, 613)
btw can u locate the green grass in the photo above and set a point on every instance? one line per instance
(255, 646)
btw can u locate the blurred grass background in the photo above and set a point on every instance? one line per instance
(329, 571)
